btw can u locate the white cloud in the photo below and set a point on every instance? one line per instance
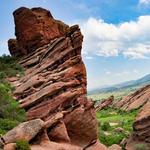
(123, 73)
(145, 2)
(108, 72)
(131, 39)
(3, 48)
(135, 71)
(88, 57)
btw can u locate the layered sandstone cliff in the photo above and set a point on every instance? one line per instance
(54, 80)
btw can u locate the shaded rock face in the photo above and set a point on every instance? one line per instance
(135, 100)
(142, 124)
(14, 48)
(55, 77)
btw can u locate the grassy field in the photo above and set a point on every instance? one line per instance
(115, 125)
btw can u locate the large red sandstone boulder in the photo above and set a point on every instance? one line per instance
(54, 81)
(24, 131)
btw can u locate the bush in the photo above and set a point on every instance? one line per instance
(9, 107)
(10, 113)
(22, 145)
(9, 67)
(6, 125)
(105, 126)
(111, 139)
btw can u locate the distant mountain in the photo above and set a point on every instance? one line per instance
(129, 84)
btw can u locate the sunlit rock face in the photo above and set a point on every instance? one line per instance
(135, 100)
(35, 28)
(54, 79)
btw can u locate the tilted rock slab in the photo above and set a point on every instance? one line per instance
(55, 76)
(104, 103)
(24, 131)
(142, 124)
(135, 100)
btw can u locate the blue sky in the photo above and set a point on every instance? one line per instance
(116, 44)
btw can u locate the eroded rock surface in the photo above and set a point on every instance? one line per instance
(142, 124)
(35, 28)
(105, 103)
(135, 100)
(25, 131)
(55, 79)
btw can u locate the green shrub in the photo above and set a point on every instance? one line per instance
(9, 107)
(105, 126)
(141, 147)
(111, 139)
(9, 67)
(6, 125)
(10, 113)
(22, 145)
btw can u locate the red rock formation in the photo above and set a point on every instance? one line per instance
(105, 103)
(142, 124)
(135, 100)
(35, 28)
(141, 127)
(55, 77)
(14, 48)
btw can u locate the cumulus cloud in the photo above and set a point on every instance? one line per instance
(145, 2)
(131, 39)
(107, 72)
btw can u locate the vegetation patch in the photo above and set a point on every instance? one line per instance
(9, 67)
(115, 125)
(22, 145)
(10, 113)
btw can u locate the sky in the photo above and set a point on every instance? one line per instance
(116, 45)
